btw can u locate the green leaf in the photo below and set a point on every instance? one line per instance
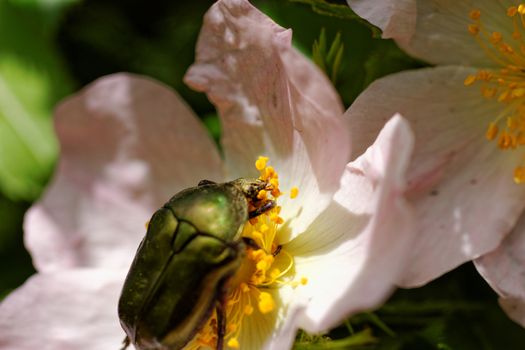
(32, 80)
(338, 10)
(358, 339)
(329, 62)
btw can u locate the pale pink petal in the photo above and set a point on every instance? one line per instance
(353, 254)
(504, 270)
(441, 33)
(396, 18)
(284, 336)
(127, 145)
(69, 310)
(455, 175)
(515, 309)
(272, 101)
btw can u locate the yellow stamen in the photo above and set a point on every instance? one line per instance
(262, 194)
(233, 343)
(475, 14)
(260, 163)
(266, 303)
(492, 131)
(473, 29)
(248, 310)
(519, 175)
(505, 84)
(469, 80)
(294, 192)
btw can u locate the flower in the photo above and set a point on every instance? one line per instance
(129, 143)
(467, 113)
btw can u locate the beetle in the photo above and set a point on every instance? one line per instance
(179, 275)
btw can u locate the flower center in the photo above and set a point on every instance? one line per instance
(266, 266)
(506, 84)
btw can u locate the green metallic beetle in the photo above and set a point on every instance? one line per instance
(192, 247)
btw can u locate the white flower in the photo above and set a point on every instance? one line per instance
(466, 178)
(128, 144)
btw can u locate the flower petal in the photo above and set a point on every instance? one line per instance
(272, 101)
(455, 172)
(127, 145)
(515, 309)
(504, 270)
(284, 336)
(441, 33)
(396, 18)
(353, 254)
(69, 310)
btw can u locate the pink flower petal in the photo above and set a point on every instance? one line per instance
(504, 269)
(441, 33)
(70, 310)
(455, 174)
(515, 309)
(272, 101)
(354, 253)
(396, 18)
(127, 145)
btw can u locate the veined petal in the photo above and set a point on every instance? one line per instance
(67, 310)
(127, 145)
(504, 267)
(272, 101)
(284, 336)
(441, 33)
(396, 18)
(455, 173)
(353, 254)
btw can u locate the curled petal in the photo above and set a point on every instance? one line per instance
(455, 171)
(68, 310)
(396, 18)
(515, 309)
(272, 101)
(353, 254)
(504, 270)
(127, 145)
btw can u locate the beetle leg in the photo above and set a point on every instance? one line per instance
(277, 250)
(125, 343)
(262, 209)
(221, 324)
(206, 182)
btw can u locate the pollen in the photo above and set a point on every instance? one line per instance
(260, 163)
(504, 84)
(294, 192)
(233, 343)
(248, 310)
(266, 303)
(262, 194)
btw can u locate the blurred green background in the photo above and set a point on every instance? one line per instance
(49, 49)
